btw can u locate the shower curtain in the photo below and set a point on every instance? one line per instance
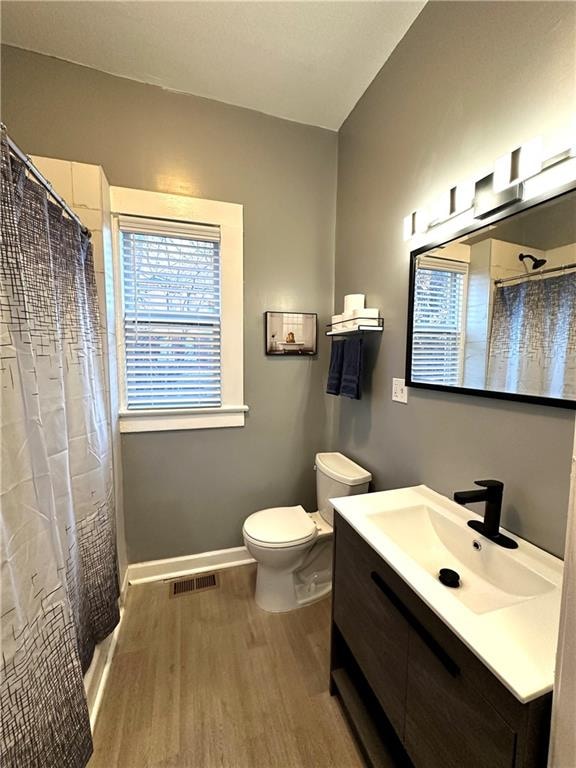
(533, 338)
(59, 567)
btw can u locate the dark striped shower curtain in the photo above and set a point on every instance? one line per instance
(59, 567)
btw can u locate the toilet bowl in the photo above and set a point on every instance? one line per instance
(293, 549)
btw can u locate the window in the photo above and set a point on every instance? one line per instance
(439, 314)
(179, 290)
(171, 289)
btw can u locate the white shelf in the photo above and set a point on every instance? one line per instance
(359, 329)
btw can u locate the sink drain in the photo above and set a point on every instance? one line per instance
(449, 578)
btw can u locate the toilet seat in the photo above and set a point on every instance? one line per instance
(280, 527)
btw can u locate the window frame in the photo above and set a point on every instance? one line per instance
(174, 213)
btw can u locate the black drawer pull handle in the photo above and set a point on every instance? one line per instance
(426, 637)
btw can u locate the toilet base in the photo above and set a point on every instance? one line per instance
(280, 590)
(276, 592)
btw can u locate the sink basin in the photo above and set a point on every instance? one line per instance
(507, 607)
(488, 578)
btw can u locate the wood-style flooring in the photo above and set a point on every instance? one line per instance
(209, 680)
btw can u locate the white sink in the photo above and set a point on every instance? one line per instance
(507, 607)
(489, 577)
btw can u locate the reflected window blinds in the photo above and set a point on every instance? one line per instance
(438, 338)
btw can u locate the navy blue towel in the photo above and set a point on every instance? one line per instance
(335, 370)
(352, 368)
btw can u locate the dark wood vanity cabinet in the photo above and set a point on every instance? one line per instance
(374, 630)
(448, 722)
(414, 694)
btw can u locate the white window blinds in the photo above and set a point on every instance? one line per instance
(171, 315)
(438, 332)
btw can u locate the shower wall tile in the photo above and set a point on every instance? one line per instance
(90, 218)
(58, 173)
(86, 186)
(504, 260)
(97, 249)
(101, 291)
(565, 254)
(113, 366)
(80, 186)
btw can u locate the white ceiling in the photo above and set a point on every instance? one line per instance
(305, 61)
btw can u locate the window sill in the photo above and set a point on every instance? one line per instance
(192, 418)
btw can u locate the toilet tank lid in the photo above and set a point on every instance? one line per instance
(341, 468)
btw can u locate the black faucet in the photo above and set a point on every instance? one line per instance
(492, 495)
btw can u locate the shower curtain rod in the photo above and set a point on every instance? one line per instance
(529, 275)
(15, 149)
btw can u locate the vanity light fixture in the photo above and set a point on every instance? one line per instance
(465, 195)
(557, 175)
(505, 171)
(558, 149)
(446, 212)
(417, 223)
(441, 208)
(530, 170)
(531, 155)
(409, 226)
(488, 201)
(520, 164)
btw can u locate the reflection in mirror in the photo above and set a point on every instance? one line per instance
(496, 309)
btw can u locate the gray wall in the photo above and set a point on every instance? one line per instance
(188, 492)
(466, 84)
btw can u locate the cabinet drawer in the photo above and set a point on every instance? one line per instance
(373, 629)
(449, 724)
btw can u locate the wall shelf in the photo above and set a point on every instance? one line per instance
(334, 331)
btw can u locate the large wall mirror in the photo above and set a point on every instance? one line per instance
(493, 312)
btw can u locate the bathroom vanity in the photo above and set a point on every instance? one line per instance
(431, 676)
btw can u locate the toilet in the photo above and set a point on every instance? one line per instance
(293, 549)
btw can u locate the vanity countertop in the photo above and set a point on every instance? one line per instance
(507, 609)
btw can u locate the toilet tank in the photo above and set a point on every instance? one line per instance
(336, 475)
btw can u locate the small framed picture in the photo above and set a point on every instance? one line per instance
(291, 333)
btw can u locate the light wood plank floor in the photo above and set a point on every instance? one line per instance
(209, 680)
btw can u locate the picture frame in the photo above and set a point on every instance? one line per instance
(290, 334)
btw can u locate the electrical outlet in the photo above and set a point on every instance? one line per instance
(399, 391)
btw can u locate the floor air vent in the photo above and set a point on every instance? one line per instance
(194, 584)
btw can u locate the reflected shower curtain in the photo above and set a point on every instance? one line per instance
(533, 338)
(59, 568)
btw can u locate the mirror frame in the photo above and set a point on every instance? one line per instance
(477, 226)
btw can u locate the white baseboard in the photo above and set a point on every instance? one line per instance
(97, 674)
(174, 567)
